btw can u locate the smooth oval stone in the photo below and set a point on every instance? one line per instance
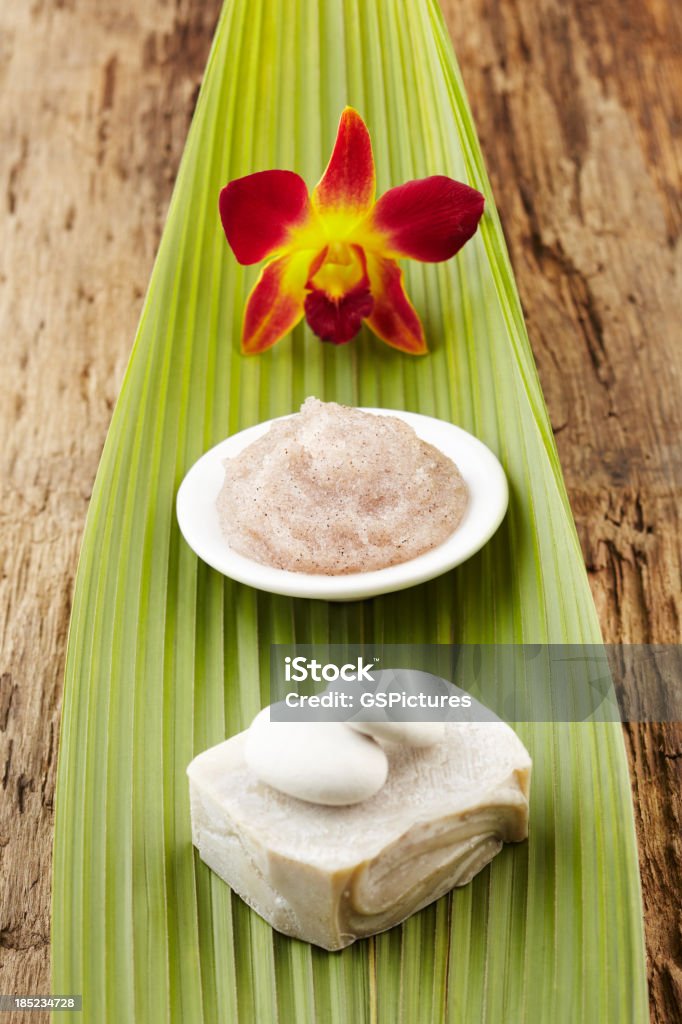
(321, 762)
(411, 734)
(413, 682)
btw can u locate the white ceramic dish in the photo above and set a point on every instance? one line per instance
(488, 499)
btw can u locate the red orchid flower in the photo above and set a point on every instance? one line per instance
(333, 253)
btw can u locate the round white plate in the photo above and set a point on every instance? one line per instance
(488, 498)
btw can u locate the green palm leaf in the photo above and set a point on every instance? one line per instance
(166, 657)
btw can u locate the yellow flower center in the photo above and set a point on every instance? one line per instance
(341, 271)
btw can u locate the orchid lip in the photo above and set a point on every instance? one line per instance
(338, 320)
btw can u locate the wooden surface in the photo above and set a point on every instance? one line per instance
(576, 103)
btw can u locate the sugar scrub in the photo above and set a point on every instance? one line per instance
(333, 490)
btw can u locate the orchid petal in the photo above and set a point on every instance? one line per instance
(260, 211)
(393, 317)
(429, 219)
(348, 184)
(275, 304)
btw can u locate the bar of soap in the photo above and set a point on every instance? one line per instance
(331, 875)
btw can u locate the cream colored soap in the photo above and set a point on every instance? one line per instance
(330, 875)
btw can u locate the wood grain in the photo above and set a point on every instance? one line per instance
(97, 96)
(576, 103)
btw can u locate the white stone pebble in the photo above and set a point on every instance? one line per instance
(321, 762)
(411, 734)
